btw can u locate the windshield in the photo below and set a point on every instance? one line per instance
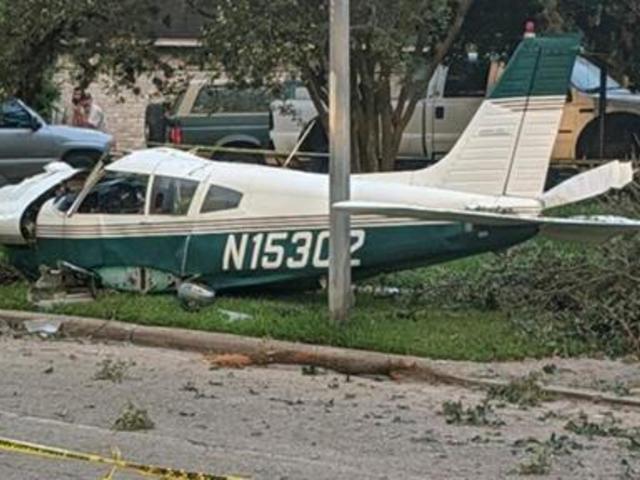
(586, 77)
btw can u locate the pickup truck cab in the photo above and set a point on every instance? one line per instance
(214, 114)
(454, 94)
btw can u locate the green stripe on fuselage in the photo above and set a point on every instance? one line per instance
(244, 259)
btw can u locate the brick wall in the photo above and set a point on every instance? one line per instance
(124, 110)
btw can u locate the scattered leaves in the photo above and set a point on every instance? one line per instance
(113, 370)
(133, 419)
(608, 427)
(538, 462)
(524, 391)
(479, 415)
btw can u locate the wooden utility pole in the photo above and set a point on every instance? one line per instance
(340, 161)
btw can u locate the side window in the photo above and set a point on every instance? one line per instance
(467, 79)
(172, 196)
(206, 102)
(117, 193)
(212, 100)
(12, 115)
(220, 198)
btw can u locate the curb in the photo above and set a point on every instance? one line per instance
(266, 351)
(260, 351)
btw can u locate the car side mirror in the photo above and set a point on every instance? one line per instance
(34, 124)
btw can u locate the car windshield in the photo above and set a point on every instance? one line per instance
(586, 77)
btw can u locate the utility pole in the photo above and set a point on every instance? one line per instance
(340, 161)
(602, 107)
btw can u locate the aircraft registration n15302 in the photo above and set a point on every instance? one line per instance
(161, 219)
(292, 250)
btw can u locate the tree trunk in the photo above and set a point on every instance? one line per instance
(390, 121)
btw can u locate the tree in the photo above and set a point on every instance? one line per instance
(394, 46)
(610, 29)
(98, 36)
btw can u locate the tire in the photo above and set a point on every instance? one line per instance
(3, 181)
(255, 159)
(155, 123)
(82, 160)
(622, 135)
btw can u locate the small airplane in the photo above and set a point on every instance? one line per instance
(159, 218)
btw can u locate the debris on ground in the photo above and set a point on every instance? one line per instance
(212, 418)
(541, 454)
(44, 327)
(609, 426)
(193, 297)
(113, 370)
(8, 274)
(524, 391)
(479, 415)
(133, 419)
(233, 317)
(230, 360)
(64, 285)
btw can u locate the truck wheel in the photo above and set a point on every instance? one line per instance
(622, 139)
(244, 157)
(155, 123)
(3, 181)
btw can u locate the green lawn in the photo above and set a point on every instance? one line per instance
(382, 324)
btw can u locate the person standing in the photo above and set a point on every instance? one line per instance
(94, 115)
(74, 115)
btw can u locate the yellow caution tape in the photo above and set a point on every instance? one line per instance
(116, 462)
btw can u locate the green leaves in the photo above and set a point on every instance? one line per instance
(107, 36)
(392, 44)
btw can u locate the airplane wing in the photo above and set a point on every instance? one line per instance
(594, 229)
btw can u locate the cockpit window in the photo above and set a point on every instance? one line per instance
(172, 196)
(220, 198)
(117, 193)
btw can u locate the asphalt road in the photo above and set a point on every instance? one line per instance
(271, 423)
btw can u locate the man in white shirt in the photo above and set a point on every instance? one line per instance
(94, 114)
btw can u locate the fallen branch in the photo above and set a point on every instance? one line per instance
(266, 351)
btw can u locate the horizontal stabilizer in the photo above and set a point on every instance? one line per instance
(613, 175)
(583, 229)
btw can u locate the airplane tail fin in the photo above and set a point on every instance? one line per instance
(506, 149)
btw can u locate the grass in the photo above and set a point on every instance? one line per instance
(400, 325)
(382, 324)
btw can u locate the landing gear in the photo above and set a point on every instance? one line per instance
(194, 297)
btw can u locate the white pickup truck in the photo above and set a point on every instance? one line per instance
(454, 94)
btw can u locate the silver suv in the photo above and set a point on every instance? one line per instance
(28, 143)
